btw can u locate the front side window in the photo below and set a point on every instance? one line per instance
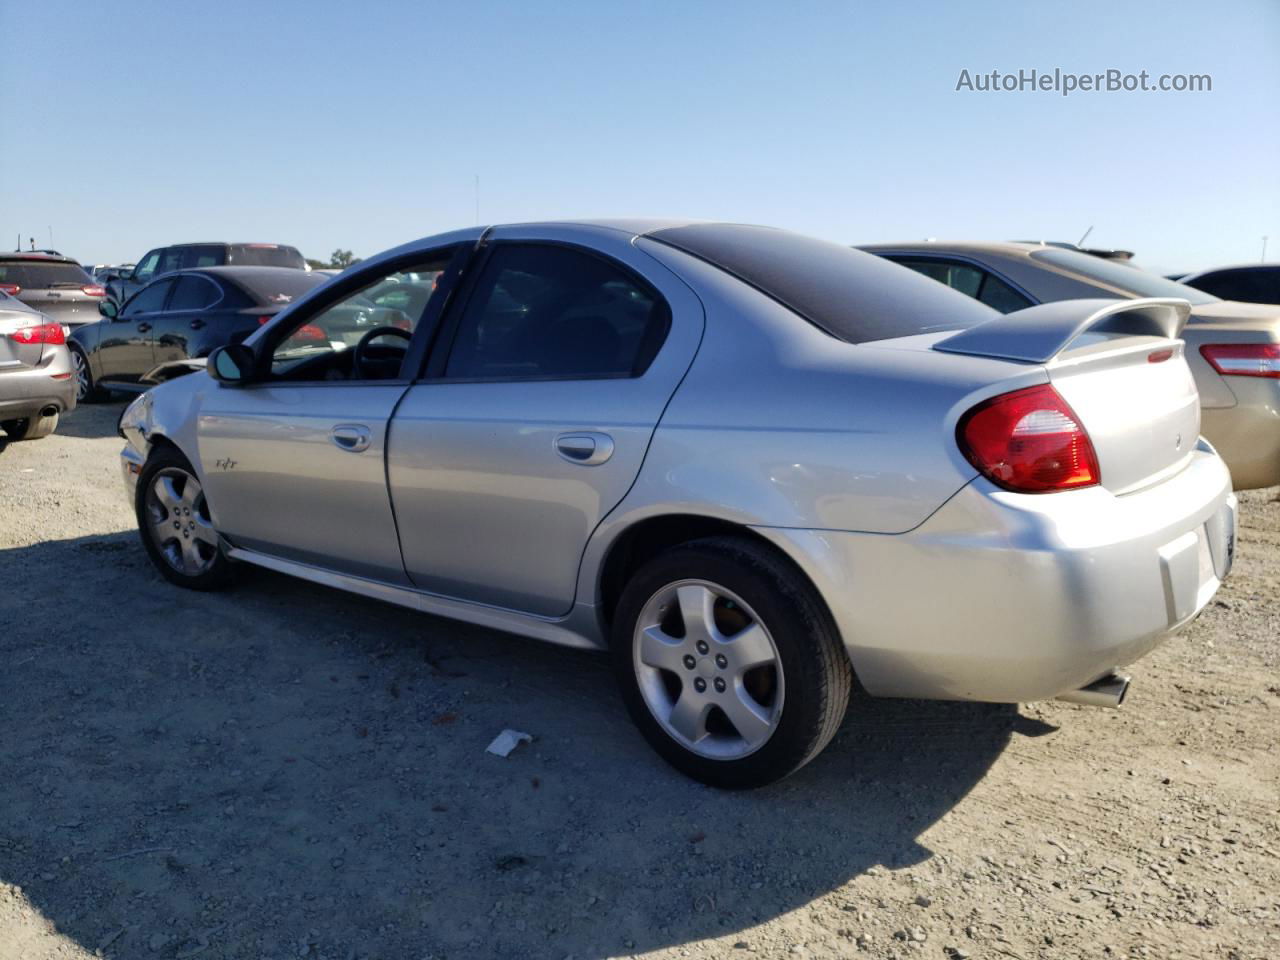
(203, 255)
(148, 299)
(193, 293)
(552, 312)
(320, 345)
(170, 260)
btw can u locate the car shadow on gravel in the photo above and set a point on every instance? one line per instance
(92, 421)
(281, 768)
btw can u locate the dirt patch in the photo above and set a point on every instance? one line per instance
(284, 771)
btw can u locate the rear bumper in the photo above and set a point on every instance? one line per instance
(1011, 597)
(1248, 435)
(27, 392)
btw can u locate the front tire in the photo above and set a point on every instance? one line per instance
(175, 524)
(729, 663)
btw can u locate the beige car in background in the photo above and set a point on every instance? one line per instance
(1233, 348)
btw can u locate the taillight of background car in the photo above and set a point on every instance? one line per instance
(42, 333)
(93, 290)
(1029, 441)
(12, 289)
(308, 331)
(1244, 359)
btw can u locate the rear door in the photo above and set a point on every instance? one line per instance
(535, 414)
(185, 318)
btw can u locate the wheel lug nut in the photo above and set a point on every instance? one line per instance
(689, 662)
(702, 647)
(719, 684)
(700, 685)
(721, 661)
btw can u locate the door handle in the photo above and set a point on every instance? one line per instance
(143, 327)
(353, 437)
(586, 449)
(197, 324)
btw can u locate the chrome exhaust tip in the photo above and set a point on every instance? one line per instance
(1109, 691)
(49, 411)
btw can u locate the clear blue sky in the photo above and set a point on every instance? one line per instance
(362, 125)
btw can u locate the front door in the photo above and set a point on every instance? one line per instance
(294, 465)
(534, 417)
(125, 349)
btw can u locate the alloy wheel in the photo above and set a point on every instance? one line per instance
(82, 374)
(708, 669)
(178, 521)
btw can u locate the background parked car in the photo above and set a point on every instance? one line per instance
(187, 256)
(56, 286)
(36, 383)
(178, 317)
(1253, 283)
(1233, 348)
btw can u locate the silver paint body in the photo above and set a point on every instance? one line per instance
(1241, 414)
(842, 456)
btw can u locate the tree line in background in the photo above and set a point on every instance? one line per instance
(338, 260)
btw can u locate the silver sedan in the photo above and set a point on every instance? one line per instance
(1233, 348)
(750, 464)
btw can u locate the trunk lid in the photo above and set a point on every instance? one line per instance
(1121, 369)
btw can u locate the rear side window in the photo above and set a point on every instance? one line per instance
(37, 275)
(265, 255)
(193, 293)
(851, 295)
(998, 295)
(957, 276)
(552, 312)
(170, 260)
(204, 255)
(1250, 284)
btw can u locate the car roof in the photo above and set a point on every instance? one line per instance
(225, 243)
(37, 257)
(1233, 266)
(232, 272)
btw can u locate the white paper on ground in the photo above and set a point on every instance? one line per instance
(507, 741)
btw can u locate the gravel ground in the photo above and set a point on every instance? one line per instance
(284, 771)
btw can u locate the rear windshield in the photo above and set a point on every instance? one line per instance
(1113, 274)
(265, 255)
(38, 275)
(853, 296)
(278, 287)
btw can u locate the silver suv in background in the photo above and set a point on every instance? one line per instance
(36, 382)
(54, 285)
(189, 256)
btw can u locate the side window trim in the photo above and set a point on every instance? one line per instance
(438, 361)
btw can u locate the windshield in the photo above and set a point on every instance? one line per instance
(1130, 279)
(848, 294)
(265, 255)
(33, 275)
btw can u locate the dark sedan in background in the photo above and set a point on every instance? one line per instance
(55, 285)
(1252, 283)
(189, 256)
(180, 316)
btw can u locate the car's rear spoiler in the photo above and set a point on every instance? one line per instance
(1038, 334)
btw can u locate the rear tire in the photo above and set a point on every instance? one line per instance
(749, 691)
(87, 391)
(31, 428)
(175, 525)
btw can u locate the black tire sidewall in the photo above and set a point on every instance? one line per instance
(219, 572)
(801, 631)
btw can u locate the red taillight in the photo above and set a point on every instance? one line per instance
(12, 289)
(44, 333)
(309, 331)
(1029, 441)
(263, 321)
(1244, 359)
(93, 290)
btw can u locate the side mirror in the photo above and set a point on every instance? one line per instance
(231, 364)
(108, 308)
